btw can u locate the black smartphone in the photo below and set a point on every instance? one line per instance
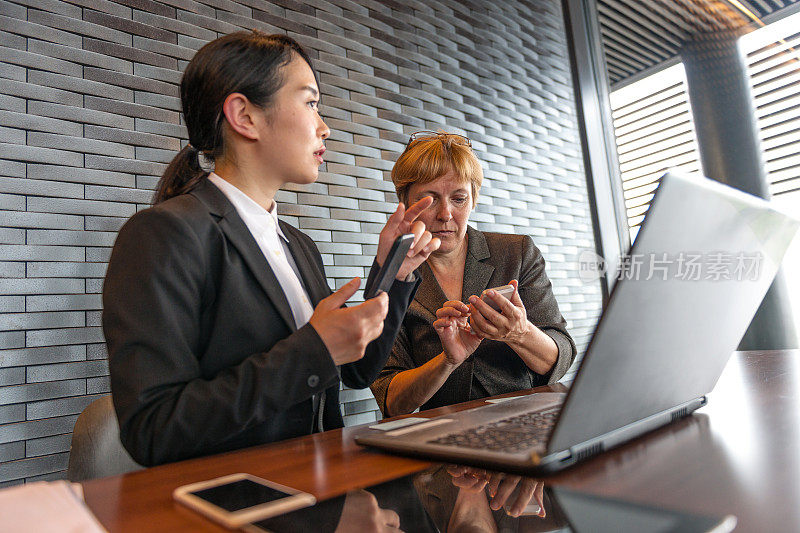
(391, 266)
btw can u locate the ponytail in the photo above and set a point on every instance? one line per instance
(182, 175)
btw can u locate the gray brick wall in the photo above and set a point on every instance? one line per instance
(89, 116)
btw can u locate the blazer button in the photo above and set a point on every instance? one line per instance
(313, 380)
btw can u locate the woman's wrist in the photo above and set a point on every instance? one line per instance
(522, 337)
(537, 349)
(448, 362)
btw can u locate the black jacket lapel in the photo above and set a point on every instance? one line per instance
(313, 281)
(236, 230)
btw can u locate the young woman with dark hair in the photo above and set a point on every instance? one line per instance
(221, 329)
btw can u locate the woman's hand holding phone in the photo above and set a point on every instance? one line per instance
(498, 314)
(346, 331)
(405, 221)
(504, 319)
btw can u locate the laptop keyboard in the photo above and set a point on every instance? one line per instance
(512, 434)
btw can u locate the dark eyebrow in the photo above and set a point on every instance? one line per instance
(312, 90)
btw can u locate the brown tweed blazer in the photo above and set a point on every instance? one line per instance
(492, 259)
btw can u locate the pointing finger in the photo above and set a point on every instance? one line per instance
(457, 304)
(340, 297)
(415, 210)
(448, 312)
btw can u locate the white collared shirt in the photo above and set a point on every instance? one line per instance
(263, 225)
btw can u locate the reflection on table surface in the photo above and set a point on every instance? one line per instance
(452, 498)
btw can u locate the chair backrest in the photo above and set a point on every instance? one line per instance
(96, 450)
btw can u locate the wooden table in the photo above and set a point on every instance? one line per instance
(738, 455)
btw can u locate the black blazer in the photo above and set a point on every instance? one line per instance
(493, 259)
(203, 350)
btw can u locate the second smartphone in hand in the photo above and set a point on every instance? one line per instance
(390, 268)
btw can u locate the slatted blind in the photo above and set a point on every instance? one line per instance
(773, 62)
(655, 132)
(654, 129)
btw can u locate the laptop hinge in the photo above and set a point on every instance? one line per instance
(634, 429)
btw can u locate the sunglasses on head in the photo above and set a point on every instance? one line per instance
(428, 135)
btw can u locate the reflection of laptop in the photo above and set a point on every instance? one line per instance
(585, 512)
(697, 272)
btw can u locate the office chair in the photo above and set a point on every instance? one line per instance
(96, 450)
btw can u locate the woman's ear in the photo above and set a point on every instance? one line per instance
(239, 112)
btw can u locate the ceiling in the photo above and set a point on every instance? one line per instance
(640, 35)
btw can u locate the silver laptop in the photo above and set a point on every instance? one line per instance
(697, 272)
